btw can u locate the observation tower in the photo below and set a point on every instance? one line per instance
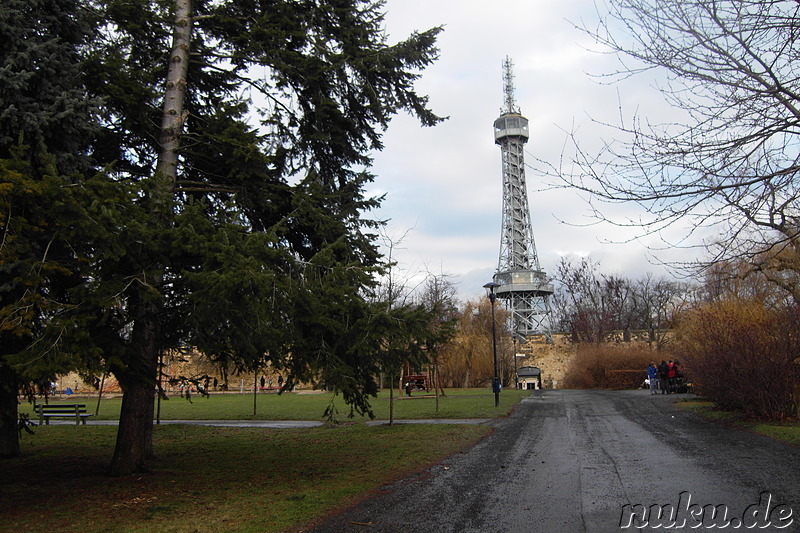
(520, 280)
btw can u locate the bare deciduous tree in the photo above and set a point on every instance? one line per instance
(466, 360)
(591, 304)
(731, 162)
(659, 302)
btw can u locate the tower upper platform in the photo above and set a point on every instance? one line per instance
(510, 125)
(532, 281)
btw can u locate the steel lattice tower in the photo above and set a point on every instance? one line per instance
(521, 282)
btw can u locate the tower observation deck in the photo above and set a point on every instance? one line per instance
(521, 281)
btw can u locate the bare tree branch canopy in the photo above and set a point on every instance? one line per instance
(591, 305)
(731, 162)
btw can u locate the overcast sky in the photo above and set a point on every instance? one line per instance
(443, 184)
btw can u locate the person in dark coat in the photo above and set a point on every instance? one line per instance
(663, 374)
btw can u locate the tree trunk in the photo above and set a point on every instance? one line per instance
(138, 378)
(255, 391)
(391, 402)
(433, 371)
(173, 114)
(9, 435)
(135, 435)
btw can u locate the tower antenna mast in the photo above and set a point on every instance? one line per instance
(508, 86)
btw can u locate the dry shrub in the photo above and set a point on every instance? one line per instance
(744, 356)
(625, 379)
(598, 366)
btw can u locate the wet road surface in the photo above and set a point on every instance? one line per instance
(569, 461)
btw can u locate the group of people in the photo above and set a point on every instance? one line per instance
(666, 378)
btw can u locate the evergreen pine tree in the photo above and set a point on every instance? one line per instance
(45, 134)
(254, 247)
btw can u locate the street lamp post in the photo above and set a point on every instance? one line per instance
(496, 380)
(516, 377)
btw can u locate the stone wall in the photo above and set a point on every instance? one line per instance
(181, 368)
(552, 359)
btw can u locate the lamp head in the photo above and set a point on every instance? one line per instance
(490, 287)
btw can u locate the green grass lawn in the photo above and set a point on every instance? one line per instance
(230, 479)
(457, 403)
(213, 479)
(784, 431)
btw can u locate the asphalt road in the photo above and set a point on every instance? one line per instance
(570, 461)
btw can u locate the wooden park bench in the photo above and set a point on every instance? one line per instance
(62, 410)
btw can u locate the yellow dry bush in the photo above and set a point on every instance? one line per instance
(744, 356)
(608, 367)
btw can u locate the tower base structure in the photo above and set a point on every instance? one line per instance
(527, 295)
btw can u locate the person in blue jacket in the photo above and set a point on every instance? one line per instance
(652, 374)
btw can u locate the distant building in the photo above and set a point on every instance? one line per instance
(529, 378)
